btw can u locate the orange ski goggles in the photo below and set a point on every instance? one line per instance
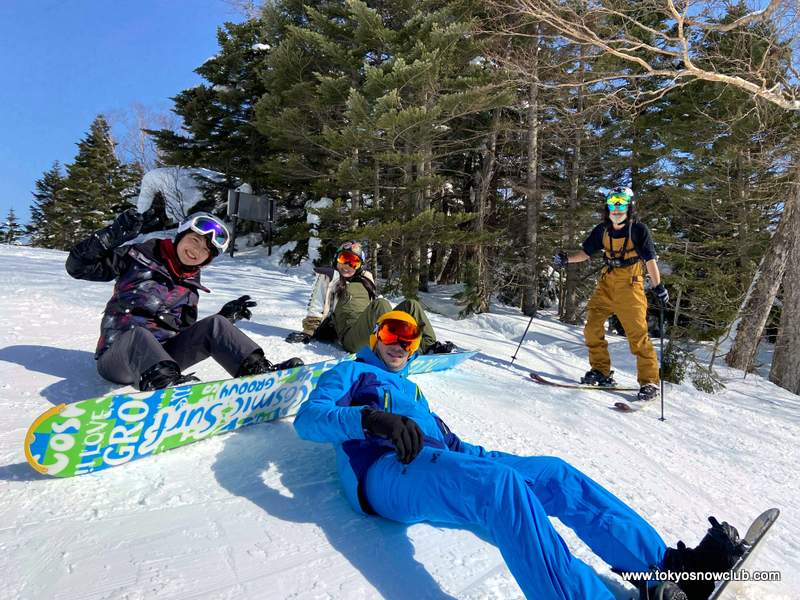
(397, 327)
(348, 258)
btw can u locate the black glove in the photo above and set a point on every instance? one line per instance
(153, 220)
(560, 260)
(403, 432)
(661, 294)
(722, 539)
(298, 336)
(124, 228)
(237, 309)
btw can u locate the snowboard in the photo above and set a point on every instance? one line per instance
(580, 386)
(98, 433)
(753, 538)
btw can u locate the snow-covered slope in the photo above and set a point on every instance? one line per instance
(259, 513)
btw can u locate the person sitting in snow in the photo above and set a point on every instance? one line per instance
(345, 306)
(150, 333)
(399, 460)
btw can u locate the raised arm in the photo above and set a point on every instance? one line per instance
(99, 257)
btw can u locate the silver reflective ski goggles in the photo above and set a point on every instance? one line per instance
(208, 225)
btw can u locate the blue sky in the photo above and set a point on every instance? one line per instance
(62, 62)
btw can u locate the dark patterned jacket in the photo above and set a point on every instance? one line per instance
(146, 294)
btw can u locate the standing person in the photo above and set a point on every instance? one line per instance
(399, 460)
(345, 306)
(149, 333)
(626, 245)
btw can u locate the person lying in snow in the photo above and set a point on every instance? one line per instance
(149, 333)
(345, 306)
(399, 460)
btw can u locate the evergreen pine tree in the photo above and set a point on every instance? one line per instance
(12, 229)
(97, 186)
(218, 114)
(373, 103)
(47, 228)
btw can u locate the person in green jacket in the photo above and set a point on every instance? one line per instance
(345, 306)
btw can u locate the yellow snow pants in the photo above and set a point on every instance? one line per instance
(620, 292)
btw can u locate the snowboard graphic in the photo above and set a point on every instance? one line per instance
(103, 432)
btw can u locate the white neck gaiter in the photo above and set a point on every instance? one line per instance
(618, 219)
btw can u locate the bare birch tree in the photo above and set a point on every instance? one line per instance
(673, 53)
(135, 144)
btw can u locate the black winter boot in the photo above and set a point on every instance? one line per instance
(440, 348)
(595, 377)
(163, 374)
(648, 391)
(717, 551)
(665, 591)
(257, 364)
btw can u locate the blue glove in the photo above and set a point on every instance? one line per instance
(560, 260)
(661, 294)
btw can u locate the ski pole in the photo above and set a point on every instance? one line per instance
(513, 358)
(661, 362)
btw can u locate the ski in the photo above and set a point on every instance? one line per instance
(753, 538)
(633, 405)
(111, 430)
(579, 386)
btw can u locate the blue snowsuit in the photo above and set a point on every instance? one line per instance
(451, 481)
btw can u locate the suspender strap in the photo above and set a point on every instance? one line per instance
(619, 263)
(614, 260)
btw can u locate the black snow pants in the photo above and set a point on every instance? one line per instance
(136, 350)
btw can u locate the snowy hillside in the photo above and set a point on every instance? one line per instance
(259, 513)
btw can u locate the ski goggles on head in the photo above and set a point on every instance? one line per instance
(395, 331)
(348, 258)
(208, 225)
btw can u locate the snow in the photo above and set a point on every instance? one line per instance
(259, 513)
(181, 188)
(313, 221)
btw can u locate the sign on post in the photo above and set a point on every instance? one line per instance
(250, 207)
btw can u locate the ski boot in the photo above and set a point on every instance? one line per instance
(440, 348)
(257, 364)
(298, 337)
(648, 391)
(663, 591)
(164, 374)
(718, 551)
(595, 377)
